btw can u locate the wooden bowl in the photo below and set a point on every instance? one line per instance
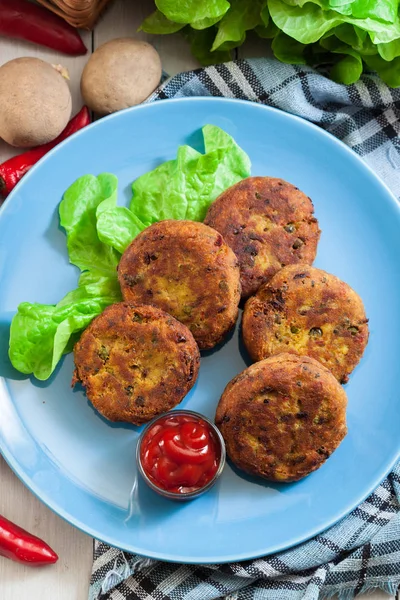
(82, 14)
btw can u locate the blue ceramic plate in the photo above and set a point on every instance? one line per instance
(82, 466)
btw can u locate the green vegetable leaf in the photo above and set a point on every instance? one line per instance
(241, 17)
(200, 46)
(348, 69)
(390, 50)
(267, 29)
(228, 46)
(267, 33)
(190, 11)
(264, 14)
(339, 6)
(177, 189)
(388, 71)
(40, 333)
(356, 38)
(93, 284)
(184, 188)
(118, 226)
(303, 2)
(330, 42)
(204, 23)
(98, 232)
(380, 33)
(78, 216)
(308, 23)
(223, 164)
(158, 23)
(288, 50)
(150, 201)
(381, 10)
(367, 27)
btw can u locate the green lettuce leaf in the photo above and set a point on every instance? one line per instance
(150, 193)
(98, 232)
(349, 68)
(390, 50)
(93, 284)
(78, 215)
(118, 227)
(204, 23)
(184, 188)
(200, 46)
(268, 32)
(308, 23)
(356, 38)
(388, 71)
(380, 33)
(345, 8)
(288, 50)
(381, 10)
(367, 27)
(159, 24)
(267, 29)
(241, 17)
(40, 333)
(264, 14)
(192, 10)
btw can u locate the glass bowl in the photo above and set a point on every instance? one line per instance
(181, 496)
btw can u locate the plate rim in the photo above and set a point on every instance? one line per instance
(167, 557)
(79, 524)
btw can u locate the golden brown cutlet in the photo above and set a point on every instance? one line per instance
(268, 223)
(307, 311)
(282, 417)
(186, 269)
(135, 362)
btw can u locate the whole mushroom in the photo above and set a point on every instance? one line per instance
(119, 74)
(35, 102)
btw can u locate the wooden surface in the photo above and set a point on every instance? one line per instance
(69, 578)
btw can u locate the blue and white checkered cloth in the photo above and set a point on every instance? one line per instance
(362, 551)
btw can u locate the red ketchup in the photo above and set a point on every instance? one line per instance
(180, 453)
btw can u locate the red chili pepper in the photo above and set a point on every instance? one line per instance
(13, 169)
(26, 21)
(21, 546)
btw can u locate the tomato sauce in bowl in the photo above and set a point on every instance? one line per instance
(180, 454)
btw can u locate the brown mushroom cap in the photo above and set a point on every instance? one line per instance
(119, 74)
(35, 102)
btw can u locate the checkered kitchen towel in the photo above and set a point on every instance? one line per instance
(362, 551)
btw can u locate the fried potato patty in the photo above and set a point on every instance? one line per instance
(308, 312)
(135, 362)
(186, 269)
(268, 223)
(282, 417)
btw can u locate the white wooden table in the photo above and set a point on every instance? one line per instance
(69, 578)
